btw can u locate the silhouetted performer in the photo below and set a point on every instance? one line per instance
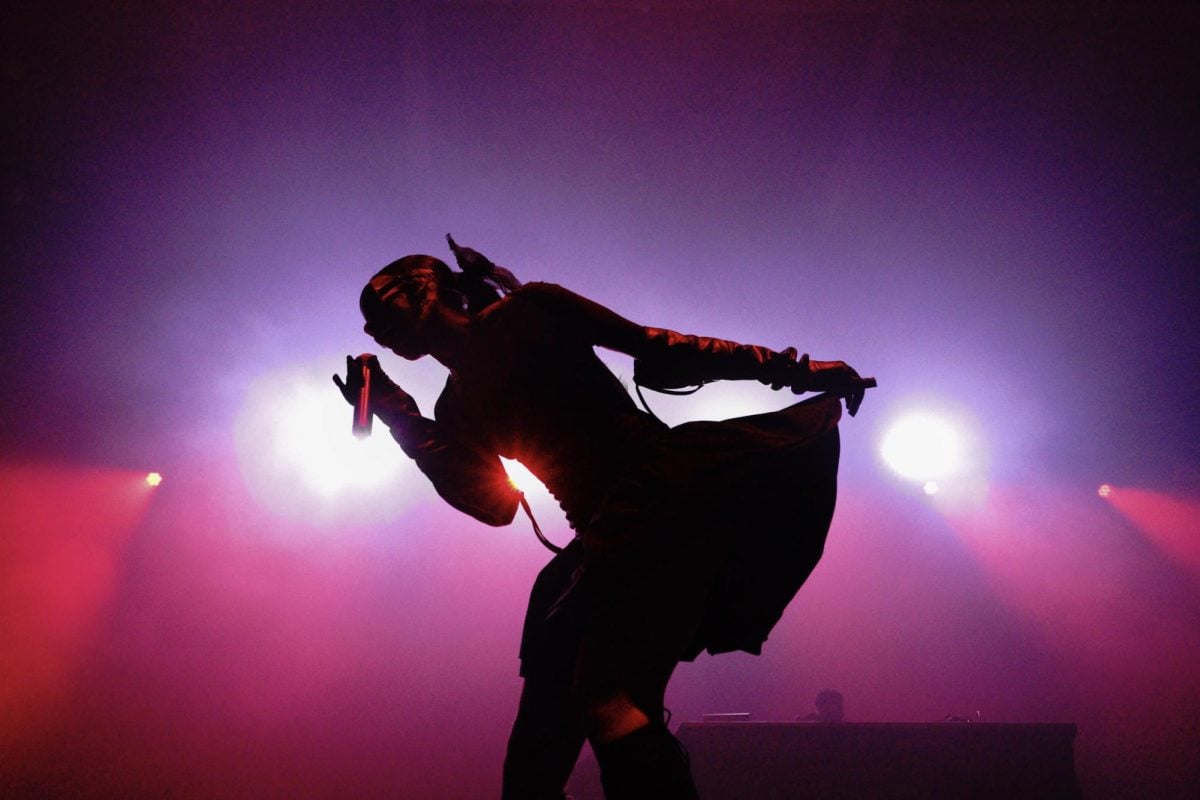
(687, 538)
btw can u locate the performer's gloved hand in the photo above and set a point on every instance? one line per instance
(389, 402)
(835, 377)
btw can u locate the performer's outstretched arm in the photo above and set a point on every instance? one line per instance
(668, 360)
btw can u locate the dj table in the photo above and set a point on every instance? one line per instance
(857, 761)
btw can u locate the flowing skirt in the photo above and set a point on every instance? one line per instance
(699, 547)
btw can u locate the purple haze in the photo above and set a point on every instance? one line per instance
(991, 205)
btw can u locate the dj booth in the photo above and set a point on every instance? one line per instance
(859, 761)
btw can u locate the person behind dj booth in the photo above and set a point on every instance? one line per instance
(687, 539)
(830, 705)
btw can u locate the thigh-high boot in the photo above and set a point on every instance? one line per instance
(648, 764)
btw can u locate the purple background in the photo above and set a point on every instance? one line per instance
(991, 207)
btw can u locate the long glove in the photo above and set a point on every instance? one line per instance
(671, 361)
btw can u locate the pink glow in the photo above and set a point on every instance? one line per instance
(990, 204)
(1117, 625)
(60, 559)
(1171, 523)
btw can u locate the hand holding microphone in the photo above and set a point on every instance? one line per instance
(372, 393)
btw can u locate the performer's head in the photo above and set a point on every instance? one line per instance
(400, 299)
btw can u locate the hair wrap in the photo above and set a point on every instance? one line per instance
(481, 281)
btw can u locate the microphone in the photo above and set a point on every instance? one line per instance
(359, 378)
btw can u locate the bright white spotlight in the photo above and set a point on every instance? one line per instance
(299, 458)
(313, 436)
(923, 447)
(153, 479)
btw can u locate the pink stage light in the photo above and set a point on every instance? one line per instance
(64, 532)
(1170, 523)
(1059, 560)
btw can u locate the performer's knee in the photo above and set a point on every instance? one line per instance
(613, 717)
(649, 762)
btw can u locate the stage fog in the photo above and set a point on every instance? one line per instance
(990, 207)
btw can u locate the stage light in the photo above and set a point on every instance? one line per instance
(312, 436)
(524, 480)
(298, 456)
(1168, 521)
(65, 531)
(153, 479)
(1105, 490)
(931, 488)
(923, 447)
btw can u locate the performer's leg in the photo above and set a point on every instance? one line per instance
(644, 623)
(639, 758)
(621, 676)
(545, 741)
(614, 717)
(549, 729)
(648, 764)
